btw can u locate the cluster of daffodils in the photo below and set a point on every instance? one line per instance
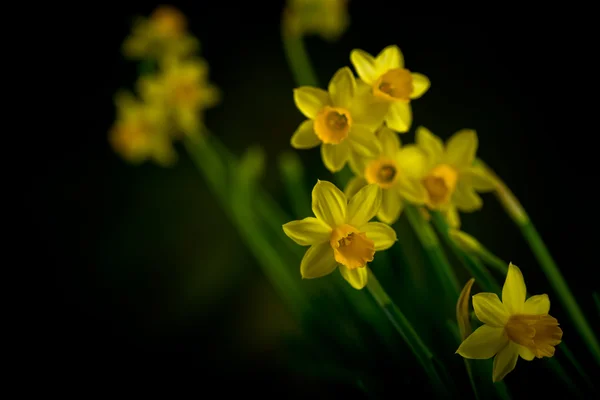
(357, 121)
(171, 96)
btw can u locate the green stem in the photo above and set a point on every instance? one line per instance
(473, 266)
(434, 252)
(516, 211)
(292, 173)
(456, 333)
(492, 260)
(597, 301)
(406, 330)
(560, 286)
(297, 57)
(238, 207)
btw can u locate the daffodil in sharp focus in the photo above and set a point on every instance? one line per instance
(391, 83)
(341, 120)
(340, 235)
(513, 327)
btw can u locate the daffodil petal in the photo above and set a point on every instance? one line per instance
(478, 179)
(364, 63)
(381, 234)
(514, 290)
(484, 343)
(329, 204)
(363, 141)
(391, 206)
(366, 109)
(465, 198)
(390, 142)
(412, 190)
(490, 310)
(364, 205)
(354, 185)
(412, 161)
(342, 87)
(505, 361)
(358, 163)
(461, 148)
(526, 354)
(305, 137)
(389, 58)
(335, 156)
(310, 100)
(318, 261)
(421, 85)
(308, 231)
(357, 278)
(399, 117)
(430, 144)
(537, 305)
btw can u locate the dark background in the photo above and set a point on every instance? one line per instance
(149, 274)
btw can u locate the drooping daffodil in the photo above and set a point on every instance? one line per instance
(513, 327)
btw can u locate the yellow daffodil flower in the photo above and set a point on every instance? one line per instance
(162, 36)
(396, 170)
(340, 120)
(451, 179)
(182, 88)
(511, 328)
(140, 132)
(327, 18)
(391, 83)
(341, 234)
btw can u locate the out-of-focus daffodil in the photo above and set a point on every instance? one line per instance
(397, 170)
(181, 87)
(162, 36)
(140, 132)
(327, 18)
(339, 121)
(391, 83)
(512, 327)
(451, 179)
(341, 234)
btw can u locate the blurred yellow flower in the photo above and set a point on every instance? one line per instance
(162, 36)
(451, 179)
(341, 120)
(182, 88)
(397, 170)
(140, 132)
(341, 234)
(327, 18)
(391, 83)
(511, 328)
